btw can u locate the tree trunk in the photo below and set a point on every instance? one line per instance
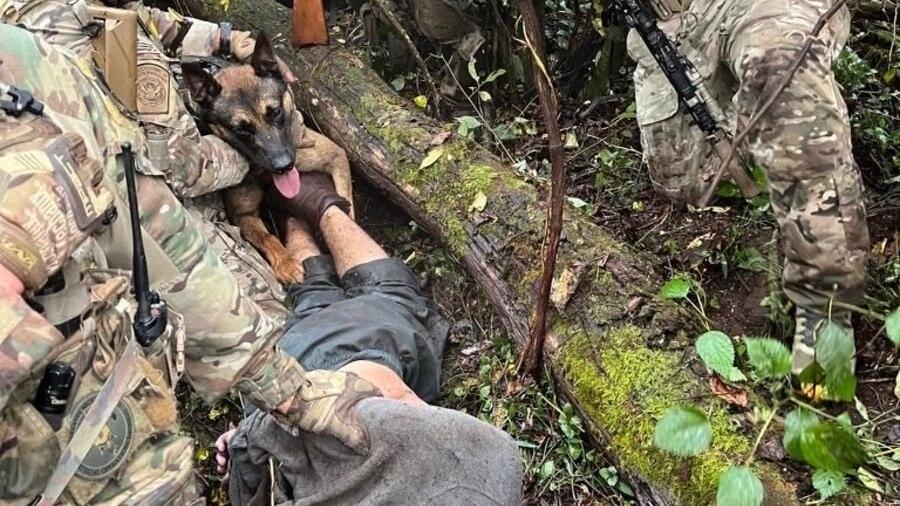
(618, 352)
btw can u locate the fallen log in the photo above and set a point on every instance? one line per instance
(620, 354)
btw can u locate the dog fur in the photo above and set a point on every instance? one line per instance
(250, 107)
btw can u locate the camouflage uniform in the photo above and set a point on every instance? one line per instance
(59, 173)
(743, 47)
(194, 165)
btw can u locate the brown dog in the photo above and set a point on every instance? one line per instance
(251, 108)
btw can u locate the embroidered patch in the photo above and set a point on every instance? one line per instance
(112, 444)
(153, 88)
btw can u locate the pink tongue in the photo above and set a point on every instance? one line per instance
(288, 183)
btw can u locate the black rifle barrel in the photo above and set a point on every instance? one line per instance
(674, 65)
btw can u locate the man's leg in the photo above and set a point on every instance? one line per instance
(344, 231)
(803, 142)
(349, 244)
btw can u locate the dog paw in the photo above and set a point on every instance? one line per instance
(288, 270)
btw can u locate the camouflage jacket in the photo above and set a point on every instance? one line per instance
(230, 340)
(192, 164)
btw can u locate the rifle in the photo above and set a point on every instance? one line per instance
(309, 26)
(688, 83)
(152, 315)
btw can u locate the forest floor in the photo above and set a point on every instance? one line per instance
(732, 252)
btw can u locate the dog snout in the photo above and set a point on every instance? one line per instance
(282, 161)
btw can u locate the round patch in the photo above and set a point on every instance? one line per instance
(153, 82)
(112, 444)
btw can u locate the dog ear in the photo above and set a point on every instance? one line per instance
(203, 86)
(263, 59)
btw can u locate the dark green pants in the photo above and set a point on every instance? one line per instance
(376, 312)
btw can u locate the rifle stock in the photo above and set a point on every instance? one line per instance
(309, 26)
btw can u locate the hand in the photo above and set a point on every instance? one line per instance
(327, 405)
(316, 195)
(222, 453)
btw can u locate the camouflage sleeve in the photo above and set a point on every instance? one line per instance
(26, 340)
(230, 340)
(56, 21)
(202, 39)
(193, 164)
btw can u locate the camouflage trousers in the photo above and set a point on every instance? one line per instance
(743, 48)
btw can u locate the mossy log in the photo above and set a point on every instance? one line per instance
(617, 352)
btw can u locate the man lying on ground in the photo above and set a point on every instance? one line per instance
(360, 311)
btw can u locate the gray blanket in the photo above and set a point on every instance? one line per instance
(419, 455)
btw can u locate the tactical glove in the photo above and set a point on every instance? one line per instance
(326, 404)
(316, 195)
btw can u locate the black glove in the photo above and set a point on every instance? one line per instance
(316, 195)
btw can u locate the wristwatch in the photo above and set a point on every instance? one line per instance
(225, 39)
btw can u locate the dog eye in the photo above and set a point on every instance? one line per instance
(275, 113)
(243, 128)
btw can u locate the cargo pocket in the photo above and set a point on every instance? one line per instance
(30, 451)
(140, 422)
(676, 152)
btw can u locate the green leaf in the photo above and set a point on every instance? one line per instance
(467, 123)
(888, 464)
(821, 444)
(869, 480)
(494, 75)
(835, 349)
(828, 483)
(484, 96)
(833, 447)
(796, 424)
(421, 101)
(683, 431)
(716, 351)
(431, 157)
(734, 375)
(547, 469)
(398, 83)
(472, 71)
(676, 288)
(729, 190)
(739, 486)
(892, 326)
(769, 358)
(750, 259)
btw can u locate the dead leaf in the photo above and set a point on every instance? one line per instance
(478, 203)
(634, 304)
(564, 286)
(475, 348)
(514, 387)
(439, 138)
(728, 393)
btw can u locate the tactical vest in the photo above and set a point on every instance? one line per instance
(138, 453)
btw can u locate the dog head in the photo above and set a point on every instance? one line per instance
(250, 107)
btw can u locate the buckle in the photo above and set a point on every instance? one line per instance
(21, 101)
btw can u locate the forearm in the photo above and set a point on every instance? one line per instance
(202, 39)
(26, 338)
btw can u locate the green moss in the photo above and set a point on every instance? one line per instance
(626, 387)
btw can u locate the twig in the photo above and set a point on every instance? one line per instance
(762, 432)
(533, 354)
(398, 27)
(708, 194)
